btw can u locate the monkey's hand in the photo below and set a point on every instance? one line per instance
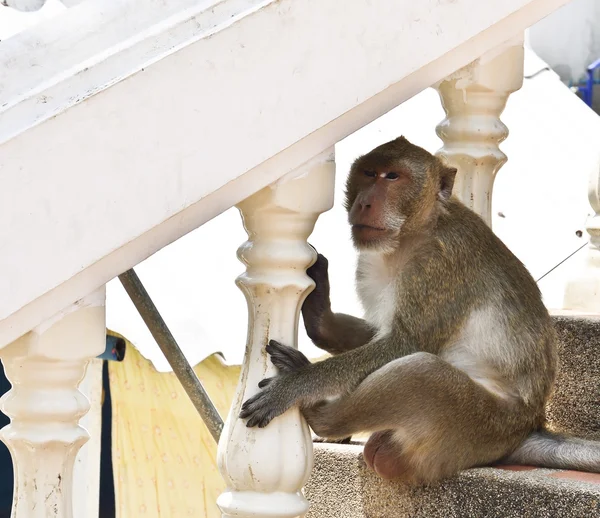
(279, 393)
(317, 305)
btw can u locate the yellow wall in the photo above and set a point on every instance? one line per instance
(164, 458)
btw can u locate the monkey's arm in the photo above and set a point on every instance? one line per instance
(305, 384)
(340, 333)
(333, 332)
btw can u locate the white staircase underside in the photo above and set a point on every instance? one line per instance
(539, 203)
(106, 156)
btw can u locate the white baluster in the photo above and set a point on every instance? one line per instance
(265, 469)
(24, 5)
(473, 99)
(583, 292)
(45, 367)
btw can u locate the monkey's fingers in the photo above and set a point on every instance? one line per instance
(260, 415)
(263, 383)
(249, 406)
(259, 420)
(345, 440)
(286, 359)
(266, 417)
(318, 272)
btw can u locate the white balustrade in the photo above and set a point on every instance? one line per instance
(473, 99)
(265, 469)
(582, 293)
(45, 367)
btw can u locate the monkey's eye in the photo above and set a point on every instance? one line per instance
(392, 176)
(371, 174)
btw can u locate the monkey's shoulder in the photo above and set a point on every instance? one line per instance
(470, 239)
(476, 255)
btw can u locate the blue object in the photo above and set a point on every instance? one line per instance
(587, 90)
(115, 349)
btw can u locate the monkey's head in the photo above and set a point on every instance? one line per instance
(394, 189)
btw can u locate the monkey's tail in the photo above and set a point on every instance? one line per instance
(546, 449)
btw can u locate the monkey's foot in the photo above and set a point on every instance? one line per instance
(319, 439)
(269, 403)
(285, 358)
(345, 440)
(278, 393)
(383, 454)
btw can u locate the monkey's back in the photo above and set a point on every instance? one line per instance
(506, 318)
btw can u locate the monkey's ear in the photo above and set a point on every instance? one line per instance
(447, 182)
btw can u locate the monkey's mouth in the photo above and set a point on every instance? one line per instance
(368, 232)
(368, 228)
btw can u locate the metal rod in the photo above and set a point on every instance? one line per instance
(165, 340)
(568, 257)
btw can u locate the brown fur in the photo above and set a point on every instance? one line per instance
(456, 357)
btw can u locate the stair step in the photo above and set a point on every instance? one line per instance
(341, 487)
(575, 405)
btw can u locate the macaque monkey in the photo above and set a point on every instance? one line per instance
(456, 356)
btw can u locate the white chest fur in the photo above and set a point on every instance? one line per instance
(376, 289)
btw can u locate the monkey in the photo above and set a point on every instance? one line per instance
(455, 358)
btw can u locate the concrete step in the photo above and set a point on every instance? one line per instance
(342, 487)
(575, 405)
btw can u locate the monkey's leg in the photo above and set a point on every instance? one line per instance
(431, 420)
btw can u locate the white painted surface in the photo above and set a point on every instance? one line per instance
(569, 39)
(583, 289)
(24, 5)
(13, 21)
(542, 192)
(106, 42)
(473, 98)
(546, 199)
(45, 368)
(265, 468)
(97, 205)
(86, 473)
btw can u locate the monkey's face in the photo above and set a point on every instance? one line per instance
(384, 191)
